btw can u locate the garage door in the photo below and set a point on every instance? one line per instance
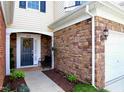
(114, 55)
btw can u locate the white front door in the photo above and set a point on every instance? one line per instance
(114, 56)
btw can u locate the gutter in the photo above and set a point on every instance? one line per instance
(93, 44)
(51, 26)
(113, 6)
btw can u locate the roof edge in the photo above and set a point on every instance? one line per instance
(107, 4)
(52, 25)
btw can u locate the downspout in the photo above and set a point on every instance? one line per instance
(93, 44)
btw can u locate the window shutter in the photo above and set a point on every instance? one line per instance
(77, 3)
(22, 4)
(43, 6)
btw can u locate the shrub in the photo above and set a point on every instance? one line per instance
(7, 88)
(12, 70)
(23, 88)
(17, 74)
(71, 78)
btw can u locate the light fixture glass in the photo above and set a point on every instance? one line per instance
(105, 33)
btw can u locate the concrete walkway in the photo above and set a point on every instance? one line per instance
(117, 86)
(37, 81)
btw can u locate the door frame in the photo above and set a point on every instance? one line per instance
(36, 49)
(30, 63)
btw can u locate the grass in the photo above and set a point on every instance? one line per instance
(102, 90)
(87, 88)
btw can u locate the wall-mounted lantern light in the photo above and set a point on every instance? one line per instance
(53, 48)
(105, 34)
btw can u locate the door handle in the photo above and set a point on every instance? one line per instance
(32, 51)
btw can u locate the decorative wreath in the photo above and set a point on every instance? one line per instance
(27, 43)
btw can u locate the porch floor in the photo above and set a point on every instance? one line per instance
(39, 82)
(30, 69)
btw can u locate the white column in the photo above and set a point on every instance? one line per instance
(7, 53)
(52, 52)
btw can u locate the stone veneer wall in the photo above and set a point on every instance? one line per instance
(45, 46)
(13, 45)
(101, 23)
(2, 48)
(73, 49)
(73, 54)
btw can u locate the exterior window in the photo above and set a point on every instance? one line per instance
(38, 5)
(33, 4)
(22, 4)
(43, 6)
(70, 5)
(82, 2)
(77, 3)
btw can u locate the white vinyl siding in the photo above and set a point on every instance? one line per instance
(30, 19)
(59, 10)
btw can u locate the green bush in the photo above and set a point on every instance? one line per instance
(71, 78)
(17, 74)
(12, 70)
(23, 88)
(7, 88)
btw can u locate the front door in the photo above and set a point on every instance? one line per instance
(26, 51)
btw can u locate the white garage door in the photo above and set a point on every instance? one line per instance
(114, 55)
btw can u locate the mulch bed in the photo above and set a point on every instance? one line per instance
(13, 83)
(60, 78)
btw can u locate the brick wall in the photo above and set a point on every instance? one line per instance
(101, 23)
(2, 48)
(13, 46)
(73, 50)
(45, 46)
